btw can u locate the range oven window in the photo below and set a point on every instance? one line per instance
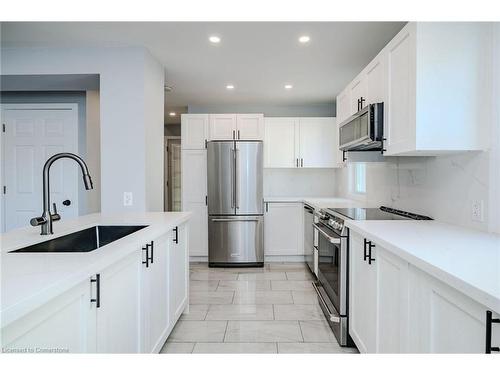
(329, 262)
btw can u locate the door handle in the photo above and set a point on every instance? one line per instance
(331, 239)
(236, 178)
(331, 317)
(97, 298)
(228, 220)
(233, 151)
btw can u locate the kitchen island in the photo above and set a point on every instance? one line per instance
(124, 296)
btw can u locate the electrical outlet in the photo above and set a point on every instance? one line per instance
(477, 210)
(128, 198)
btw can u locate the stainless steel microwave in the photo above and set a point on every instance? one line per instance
(363, 130)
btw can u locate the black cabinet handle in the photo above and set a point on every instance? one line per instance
(176, 230)
(344, 155)
(267, 207)
(239, 134)
(146, 262)
(370, 247)
(301, 162)
(97, 282)
(361, 101)
(358, 105)
(152, 248)
(365, 254)
(234, 135)
(489, 322)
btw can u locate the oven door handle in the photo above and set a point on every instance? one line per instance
(331, 239)
(335, 318)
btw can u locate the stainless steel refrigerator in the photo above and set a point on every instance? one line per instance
(235, 203)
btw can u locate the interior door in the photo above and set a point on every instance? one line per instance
(221, 184)
(33, 133)
(249, 199)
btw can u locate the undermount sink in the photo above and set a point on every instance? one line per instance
(83, 241)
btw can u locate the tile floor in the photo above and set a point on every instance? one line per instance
(273, 309)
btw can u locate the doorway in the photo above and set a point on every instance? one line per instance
(172, 173)
(31, 133)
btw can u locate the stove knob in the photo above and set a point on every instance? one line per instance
(331, 222)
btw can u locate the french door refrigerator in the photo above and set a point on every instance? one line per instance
(235, 203)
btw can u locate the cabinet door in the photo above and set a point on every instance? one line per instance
(376, 80)
(178, 272)
(154, 296)
(250, 127)
(118, 323)
(194, 131)
(317, 140)
(279, 142)
(343, 105)
(194, 195)
(399, 121)
(283, 229)
(443, 319)
(362, 296)
(392, 301)
(222, 127)
(357, 91)
(66, 322)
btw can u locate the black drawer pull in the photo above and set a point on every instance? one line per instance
(97, 282)
(146, 262)
(176, 230)
(151, 245)
(489, 322)
(365, 254)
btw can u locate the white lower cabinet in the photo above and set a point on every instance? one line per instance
(395, 307)
(128, 307)
(118, 324)
(283, 229)
(66, 323)
(178, 275)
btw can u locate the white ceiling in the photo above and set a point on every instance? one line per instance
(257, 57)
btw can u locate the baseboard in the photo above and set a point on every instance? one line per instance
(198, 259)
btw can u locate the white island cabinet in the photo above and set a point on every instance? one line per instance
(126, 298)
(396, 307)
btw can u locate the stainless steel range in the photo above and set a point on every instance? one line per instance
(331, 247)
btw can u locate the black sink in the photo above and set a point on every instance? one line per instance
(83, 241)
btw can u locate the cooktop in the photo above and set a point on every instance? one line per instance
(381, 213)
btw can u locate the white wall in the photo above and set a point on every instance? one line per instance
(300, 182)
(93, 156)
(127, 122)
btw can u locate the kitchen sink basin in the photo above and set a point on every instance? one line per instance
(83, 241)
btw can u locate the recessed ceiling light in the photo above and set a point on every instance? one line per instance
(229, 87)
(172, 114)
(304, 39)
(288, 87)
(214, 39)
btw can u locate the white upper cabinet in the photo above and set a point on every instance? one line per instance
(302, 142)
(222, 127)
(194, 131)
(279, 142)
(316, 142)
(236, 126)
(433, 78)
(250, 126)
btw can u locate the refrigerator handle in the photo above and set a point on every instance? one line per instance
(236, 179)
(232, 177)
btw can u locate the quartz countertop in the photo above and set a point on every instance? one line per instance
(467, 260)
(321, 202)
(28, 280)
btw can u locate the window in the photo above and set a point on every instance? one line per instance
(359, 180)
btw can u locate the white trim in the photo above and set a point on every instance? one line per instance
(28, 106)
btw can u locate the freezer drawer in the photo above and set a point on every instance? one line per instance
(235, 240)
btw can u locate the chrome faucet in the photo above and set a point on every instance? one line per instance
(47, 218)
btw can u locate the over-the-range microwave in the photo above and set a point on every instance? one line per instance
(364, 130)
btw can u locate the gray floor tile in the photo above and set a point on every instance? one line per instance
(317, 331)
(291, 285)
(196, 312)
(263, 331)
(210, 298)
(198, 331)
(177, 347)
(240, 312)
(299, 275)
(287, 266)
(257, 348)
(304, 297)
(203, 286)
(262, 297)
(243, 285)
(298, 312)
(262, 276)
(210, 275)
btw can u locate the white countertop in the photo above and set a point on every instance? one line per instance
(321, 202)
(28, 280)
(467, 260)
